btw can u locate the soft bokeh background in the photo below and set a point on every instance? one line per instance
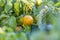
(46, 16)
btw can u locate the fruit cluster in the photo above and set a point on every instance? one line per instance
(17, 13)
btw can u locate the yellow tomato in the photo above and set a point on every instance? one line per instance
(38, 2)
(27, 20)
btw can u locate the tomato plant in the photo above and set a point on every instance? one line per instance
(19, 18)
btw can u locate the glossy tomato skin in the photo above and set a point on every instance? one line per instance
(27, 20)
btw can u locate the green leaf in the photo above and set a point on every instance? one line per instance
(57, 4)
(22, 36)
(12, 22)
(16, 7)
(11, 36)
(8, 6)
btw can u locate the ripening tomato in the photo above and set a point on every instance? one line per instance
(27, 20)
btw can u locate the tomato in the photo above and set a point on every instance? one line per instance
(38, 2)
(18, 28)
(27, 20)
